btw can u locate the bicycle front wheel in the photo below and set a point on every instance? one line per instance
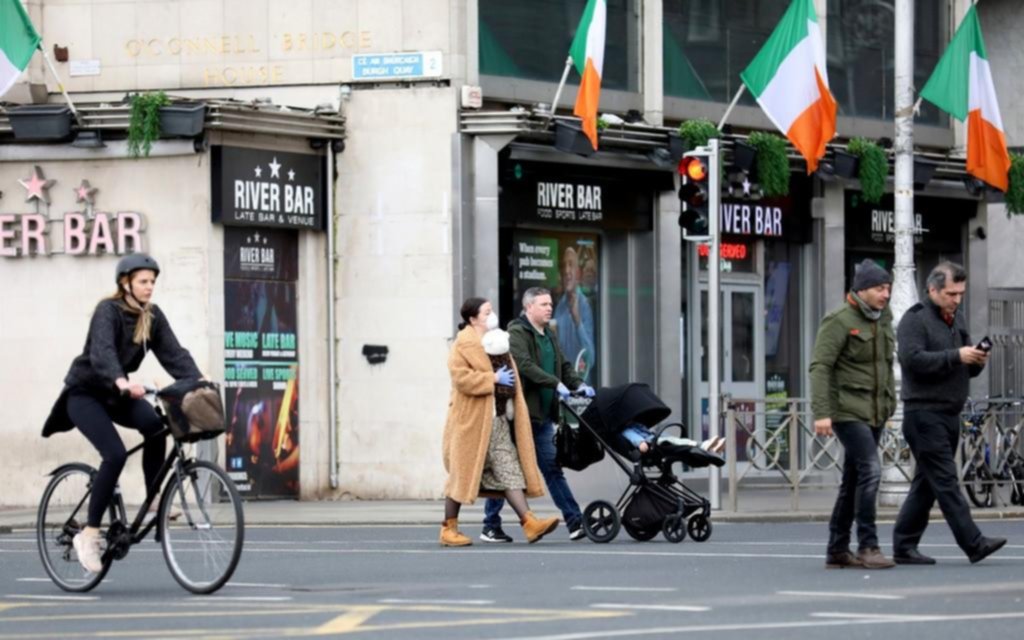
(202, 526)
(978, 482)
(62, 514)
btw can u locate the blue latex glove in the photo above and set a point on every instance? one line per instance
(506, 376)
(586, 390)
(563, 391)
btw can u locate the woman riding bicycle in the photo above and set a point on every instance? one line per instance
(97, 391)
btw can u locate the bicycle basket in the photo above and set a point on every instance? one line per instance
(194, 410)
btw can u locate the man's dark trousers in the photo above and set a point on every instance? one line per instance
(858, 490)
(933, 438)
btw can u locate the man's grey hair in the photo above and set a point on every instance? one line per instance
(944, 273)
(533, 293)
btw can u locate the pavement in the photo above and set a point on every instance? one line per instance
(754, 505)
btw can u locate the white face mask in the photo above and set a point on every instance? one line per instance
(492, 322)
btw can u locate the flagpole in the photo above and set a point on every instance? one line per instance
(732, 104)
(561, 84)
(60, 85)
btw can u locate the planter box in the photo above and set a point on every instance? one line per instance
(571, 139)
(182, 120)
(41, 122)
(743, 156)
(846, 164)
(923, 172)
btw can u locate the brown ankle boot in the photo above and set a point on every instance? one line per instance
(450, 535)
(535, 529)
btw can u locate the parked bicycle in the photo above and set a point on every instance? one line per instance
(199, 522)
(990, 466)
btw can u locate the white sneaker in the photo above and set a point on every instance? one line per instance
(87, 546)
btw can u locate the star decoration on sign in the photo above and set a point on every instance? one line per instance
(746, 186)
(275, 168)
(259, 171)
(257, 236)
(85, 192)
(37, 186)
(291, 175)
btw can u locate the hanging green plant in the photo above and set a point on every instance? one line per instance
(873, 168)
(1015, 194)
(602, 124)
(144, 125)
(696, 133)
(772, 163)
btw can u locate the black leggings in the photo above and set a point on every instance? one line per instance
(95, 419)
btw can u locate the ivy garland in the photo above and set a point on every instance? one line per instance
(1015, 194)
(144, 125)
(873, 168)
(772, 163)
(696, 133)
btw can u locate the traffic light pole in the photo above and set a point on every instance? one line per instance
(714, 302)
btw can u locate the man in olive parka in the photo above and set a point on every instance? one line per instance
(852, 395)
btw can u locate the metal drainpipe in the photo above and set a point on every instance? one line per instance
(332, 369)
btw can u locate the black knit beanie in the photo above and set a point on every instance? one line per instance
(868, 274)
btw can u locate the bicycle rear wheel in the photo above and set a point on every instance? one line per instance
(202, 527)
(63, 511)
(978, 483)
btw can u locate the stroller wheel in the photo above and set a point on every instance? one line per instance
(674, 528)
(699, 528)
(601, 521)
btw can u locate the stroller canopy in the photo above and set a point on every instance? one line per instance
(614, 407)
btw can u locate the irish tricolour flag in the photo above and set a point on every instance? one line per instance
(587, 54)
(962, 86)
(789, 80)
(18, 41)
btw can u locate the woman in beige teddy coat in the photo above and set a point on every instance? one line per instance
(488, 441)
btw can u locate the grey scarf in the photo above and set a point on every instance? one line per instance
(869, 312)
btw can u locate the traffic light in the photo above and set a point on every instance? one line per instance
(693, 194)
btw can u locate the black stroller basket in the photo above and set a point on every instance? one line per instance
(655, 500)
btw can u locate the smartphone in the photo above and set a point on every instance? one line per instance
(985, 344)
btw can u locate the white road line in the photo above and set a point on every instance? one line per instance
(478, 586)
(872, 616)
(426, 601)
(256, 585)
(763, 626)
(651, 607)
(243, 598)
(28, 597)
(36, 580)
(841, 594)
(642, 589)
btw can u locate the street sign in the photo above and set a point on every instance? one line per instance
(396, 66)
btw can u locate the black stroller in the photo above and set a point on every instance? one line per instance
(655, 500)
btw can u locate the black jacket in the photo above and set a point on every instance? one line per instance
(111, 353)
(934, 378)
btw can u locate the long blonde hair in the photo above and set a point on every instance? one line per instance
(144, 326)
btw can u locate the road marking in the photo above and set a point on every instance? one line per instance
(246, 598)
(652, 607)
(415, 601)
(29, 597)
(641, 589)
(33, 579)
(799, 624)
(841, 594)
(478, 586)
(871, 616)
(349, 621)
(257, 585)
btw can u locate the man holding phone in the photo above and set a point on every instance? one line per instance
(937, 361)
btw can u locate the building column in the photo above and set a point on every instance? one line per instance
(669, 301)
(652, 76)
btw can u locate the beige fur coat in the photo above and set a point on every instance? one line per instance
(467, 431)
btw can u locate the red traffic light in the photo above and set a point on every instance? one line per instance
(693, 168)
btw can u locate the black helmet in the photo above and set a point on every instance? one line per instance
(133, 262)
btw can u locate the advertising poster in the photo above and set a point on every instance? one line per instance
(261, 362)
(567, 263)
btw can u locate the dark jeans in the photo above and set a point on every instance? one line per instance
(95, 419)
(544, 443)
(933, 439)
(858, 490)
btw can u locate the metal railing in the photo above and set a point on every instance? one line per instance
(771, 445)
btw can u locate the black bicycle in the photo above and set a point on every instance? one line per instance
(199, 522)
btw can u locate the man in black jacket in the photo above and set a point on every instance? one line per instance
(937, 359)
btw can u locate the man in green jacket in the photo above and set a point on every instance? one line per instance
(853, 393)
(544, 371)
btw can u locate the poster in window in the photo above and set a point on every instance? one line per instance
(261, 364)
(567, 264)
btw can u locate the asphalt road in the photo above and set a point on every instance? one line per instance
(748, 580)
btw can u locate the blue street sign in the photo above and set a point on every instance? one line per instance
(392, 66)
